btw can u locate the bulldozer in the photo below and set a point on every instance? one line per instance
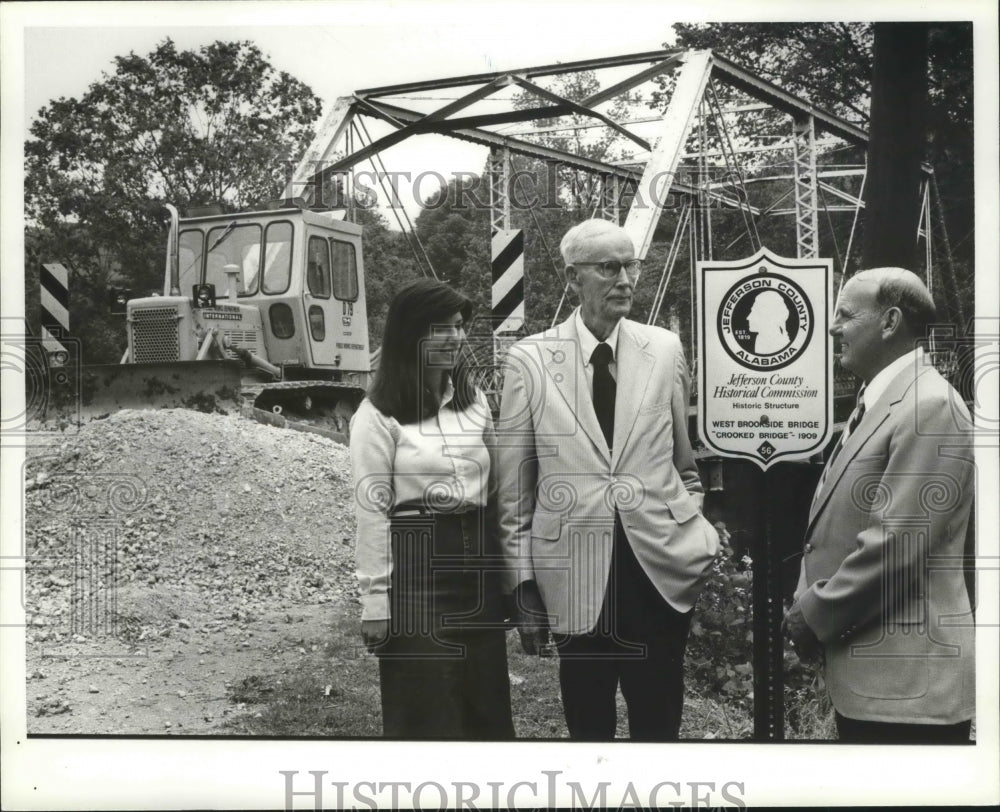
(261, 311)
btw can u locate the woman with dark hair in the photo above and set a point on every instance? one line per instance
(428, 560)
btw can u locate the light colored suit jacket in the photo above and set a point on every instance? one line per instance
(560, 485)
(882, 583)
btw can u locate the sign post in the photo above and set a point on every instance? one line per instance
(766, 384)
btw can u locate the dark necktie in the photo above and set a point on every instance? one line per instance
(604, 390)
(852, 423)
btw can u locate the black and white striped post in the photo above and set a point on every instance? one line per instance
(507, 266)
(507, 255)
(54, 284)
(508, 281)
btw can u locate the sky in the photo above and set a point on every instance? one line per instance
(365, 50)
(337, 48)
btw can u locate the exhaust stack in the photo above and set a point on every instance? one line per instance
(171, 277)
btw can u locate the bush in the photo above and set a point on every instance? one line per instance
(719, 662)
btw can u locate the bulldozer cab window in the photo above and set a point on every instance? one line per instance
(277, 258)
(190, 247)
(234, 245)
(345, 271)
(318, 268)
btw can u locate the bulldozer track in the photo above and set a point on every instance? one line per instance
(253, 392)
(305, 384)
(282, 422)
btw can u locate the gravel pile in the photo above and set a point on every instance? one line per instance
(152, 520)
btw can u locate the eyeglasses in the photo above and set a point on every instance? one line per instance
(611, 268)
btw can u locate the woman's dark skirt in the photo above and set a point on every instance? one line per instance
(443, 668)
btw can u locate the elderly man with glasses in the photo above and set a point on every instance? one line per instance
(600, 499)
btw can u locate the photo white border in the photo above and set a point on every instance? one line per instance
(233, 774)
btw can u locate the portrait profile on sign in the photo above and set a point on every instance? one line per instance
(765, 320)
(768, 321)
(766, 370)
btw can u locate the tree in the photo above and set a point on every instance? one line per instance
(454, 227)
(216, 125)
(896, 147)
(577, 192)
(389, 264)
(831, 65)
(828, 63)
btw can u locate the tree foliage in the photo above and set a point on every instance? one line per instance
(549, 199)
(196, 127)
(578, 134)
(213, 125)
(389, 264)
(454, 228)
(830, 65)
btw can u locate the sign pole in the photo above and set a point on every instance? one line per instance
(765, 383)
(768, 650)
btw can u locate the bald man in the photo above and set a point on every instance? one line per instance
(881, 594)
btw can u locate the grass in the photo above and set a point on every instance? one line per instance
(808, 711)
(333, 694)
(534, 694)
(336, 694)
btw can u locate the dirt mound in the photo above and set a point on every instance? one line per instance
(157, 529)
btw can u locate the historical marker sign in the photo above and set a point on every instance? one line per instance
(766, 364)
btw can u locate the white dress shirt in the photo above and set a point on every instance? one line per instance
(877, 385)
(589, 342)
(443, 462)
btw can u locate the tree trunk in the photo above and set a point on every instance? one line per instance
(896, 145)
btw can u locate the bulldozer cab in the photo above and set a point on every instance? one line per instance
(268, 305)
(302, 271)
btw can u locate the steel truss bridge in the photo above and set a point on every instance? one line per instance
(726, 143)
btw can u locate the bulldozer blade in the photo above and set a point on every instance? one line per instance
(208, 386)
